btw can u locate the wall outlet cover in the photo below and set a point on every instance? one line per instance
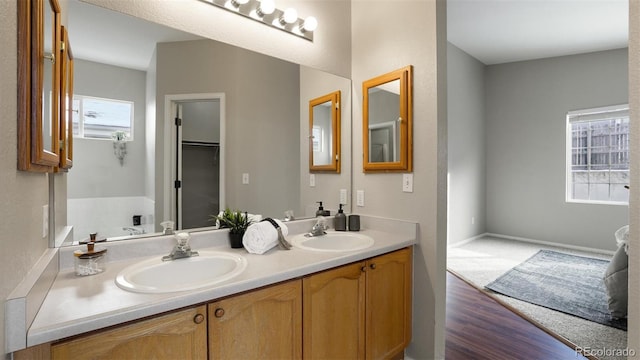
(312, 180)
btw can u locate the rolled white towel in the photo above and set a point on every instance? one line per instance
(262, 236)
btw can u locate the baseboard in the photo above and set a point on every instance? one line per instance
(549, 243)
(466, 241)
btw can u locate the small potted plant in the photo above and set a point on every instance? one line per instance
(237, 223)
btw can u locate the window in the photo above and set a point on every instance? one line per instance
(598, 155)
(99, 118)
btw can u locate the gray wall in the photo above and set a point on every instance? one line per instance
(467, 163)
(526, 106)
(313, 84)
(96, 170)
(262, 127)
(203, 119)
(388, 35)
(23, 194)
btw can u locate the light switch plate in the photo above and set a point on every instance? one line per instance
(245, 178)
(312, 180)
(343, 196)
(360, 198)
(407, 183)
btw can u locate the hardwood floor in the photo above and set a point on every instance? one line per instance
(478, 327)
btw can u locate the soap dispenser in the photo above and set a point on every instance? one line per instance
(321, 211)
(340, 220)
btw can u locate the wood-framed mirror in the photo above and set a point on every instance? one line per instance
(66, 102)
(324, 133)
(387, 127)
(38, 85)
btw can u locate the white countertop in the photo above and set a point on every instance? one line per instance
(75, 305)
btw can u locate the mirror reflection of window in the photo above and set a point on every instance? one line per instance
(99, 118)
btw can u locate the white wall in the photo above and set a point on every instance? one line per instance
(466, 143)
(388, 35)
(526, 106)
(330, 51)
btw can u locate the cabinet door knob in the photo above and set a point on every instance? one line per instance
(219, 312)
(372, 266)
(363, 269)
(198, 319)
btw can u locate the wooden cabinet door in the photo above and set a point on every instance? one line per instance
(388, 304)
(261, 324)
(179, 335)
(333, 313)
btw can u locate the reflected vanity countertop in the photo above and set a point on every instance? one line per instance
(75, 305)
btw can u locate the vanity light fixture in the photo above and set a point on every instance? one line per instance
(265, 11)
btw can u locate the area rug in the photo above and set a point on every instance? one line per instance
(562, 282)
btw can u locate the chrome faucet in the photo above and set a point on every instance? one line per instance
(182, 248)
(319, 228)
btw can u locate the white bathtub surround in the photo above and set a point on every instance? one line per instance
(75, 305)
(109, 215)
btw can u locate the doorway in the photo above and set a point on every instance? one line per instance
(197, 159)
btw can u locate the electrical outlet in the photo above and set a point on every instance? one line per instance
(343, 196)
(45, 220)
(360, 198)
(407, 183)
(312, 180)
(245, 178)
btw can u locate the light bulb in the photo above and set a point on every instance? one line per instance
(290, 16)
(266, 7)
(309, 24)
(236, 3)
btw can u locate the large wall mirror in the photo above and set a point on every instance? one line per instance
(39, 83)
(324, 136)
(239, 141)
(387, 122)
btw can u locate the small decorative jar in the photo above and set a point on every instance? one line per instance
(89, 262)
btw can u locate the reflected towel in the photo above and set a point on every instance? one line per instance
(261, 237)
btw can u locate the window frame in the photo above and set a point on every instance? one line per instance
(570, 119)
(78, 111)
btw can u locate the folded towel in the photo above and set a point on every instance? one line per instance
(261, 237)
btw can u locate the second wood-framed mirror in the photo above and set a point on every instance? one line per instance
(324, 133)
(387, 127)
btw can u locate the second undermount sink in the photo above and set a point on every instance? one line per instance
(333, 241)
(157, 276)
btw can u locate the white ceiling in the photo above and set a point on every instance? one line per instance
(492, 31)
(109, 37)
(499, 31)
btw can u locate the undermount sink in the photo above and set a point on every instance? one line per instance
(334, 241)
(157, 276)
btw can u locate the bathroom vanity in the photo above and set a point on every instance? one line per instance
(285, 304)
